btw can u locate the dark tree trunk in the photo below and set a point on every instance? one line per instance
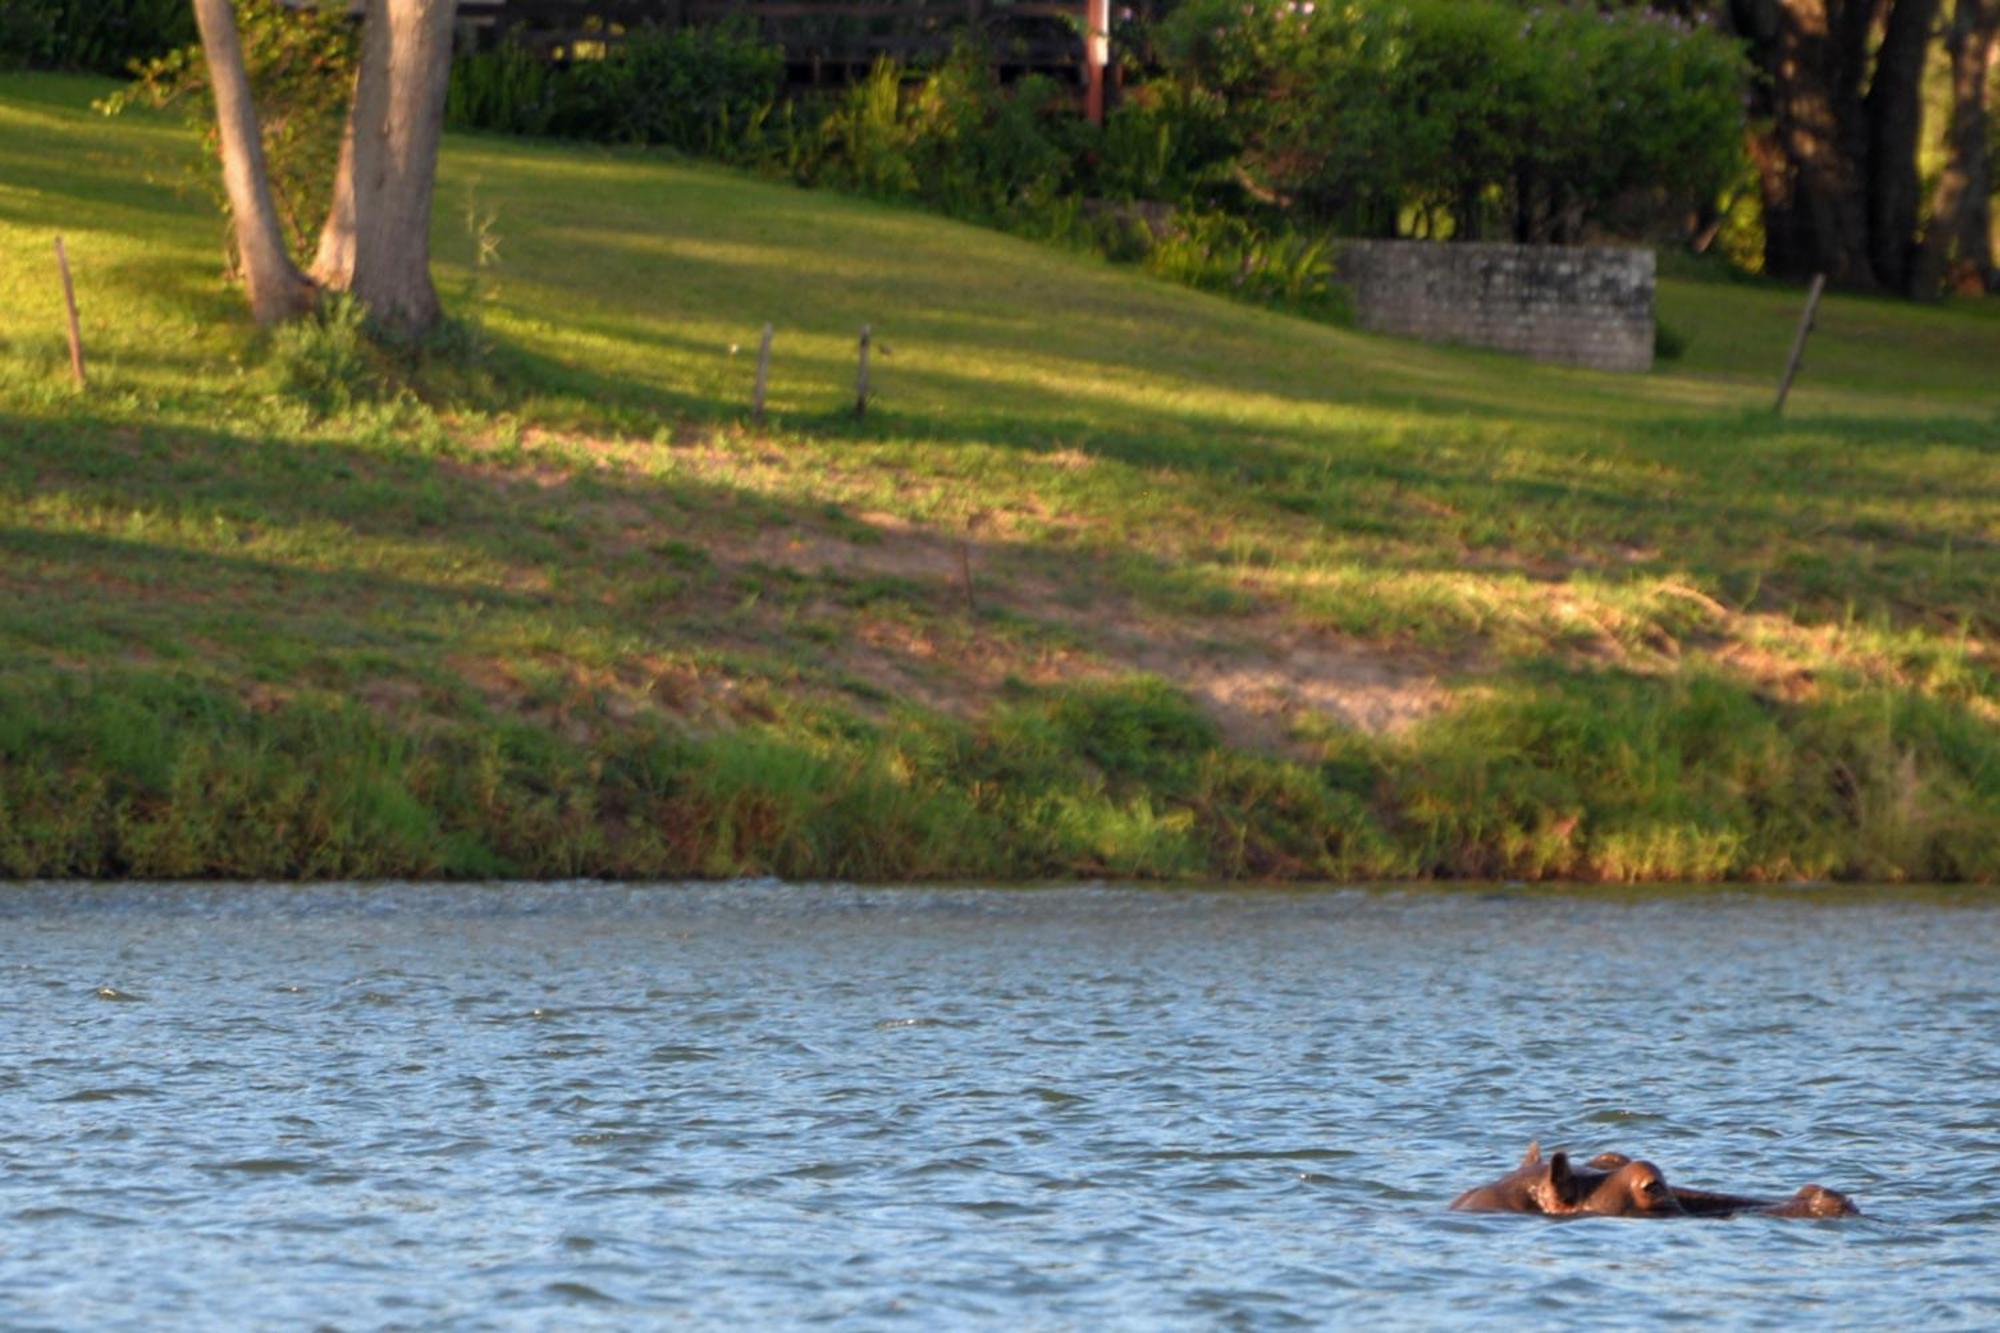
(1958, 239)
(1895, 111)
(276, 289)
(1838, 163)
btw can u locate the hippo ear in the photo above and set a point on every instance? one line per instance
(1534, 1153)
(1562, 1180)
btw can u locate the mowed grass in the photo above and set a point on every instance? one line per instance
(1113, 579)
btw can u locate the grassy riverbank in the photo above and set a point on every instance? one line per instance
(1115, 578)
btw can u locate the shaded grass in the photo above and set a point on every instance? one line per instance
(566, 613)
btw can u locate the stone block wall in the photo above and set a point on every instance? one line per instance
(1576, 305)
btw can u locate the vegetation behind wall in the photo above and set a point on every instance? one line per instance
(1474, 119)
(1254, 134)
(93, 36)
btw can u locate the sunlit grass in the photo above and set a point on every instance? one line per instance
(594, 590)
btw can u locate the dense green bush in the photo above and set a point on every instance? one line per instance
(1269, 128)
(1464, 117)
(957, 141)
(1018, 156)
(1268, 264)
(1169, 140)
(706, 90)
(983, 151)
(98, 36)
(865, 142)
(508, 89)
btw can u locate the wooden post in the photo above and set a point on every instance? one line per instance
(763, 377)
(1799, 340)
(1096, 56)
(861, 382)
(75, 331)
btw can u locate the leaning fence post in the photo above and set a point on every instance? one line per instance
(861, 380)
(75, 331)
(763, 376)
(1799, 340)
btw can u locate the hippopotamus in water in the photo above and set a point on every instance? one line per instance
(1614, 1185)
(1810, 1201)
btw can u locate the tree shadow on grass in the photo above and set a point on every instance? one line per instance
(1706, 492)
(274, 565)
(301, 563)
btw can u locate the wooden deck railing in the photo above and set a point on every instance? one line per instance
(825, 41)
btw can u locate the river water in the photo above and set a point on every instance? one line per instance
(574, 1106)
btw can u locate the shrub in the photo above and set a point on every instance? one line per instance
(95, 36)
(986, 152)
(866, 142)
(703, 90)
(1170, 141)
(1134, 731)
(327, 362)
(1271, 265)
(1460, 117)
(508, 89)
(959, 142)
(707, 90)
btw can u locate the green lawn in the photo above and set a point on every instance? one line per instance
(1115, 578)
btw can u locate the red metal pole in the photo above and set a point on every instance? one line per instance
(1096, 55)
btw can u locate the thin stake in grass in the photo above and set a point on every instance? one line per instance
(861, 380)
(763, 376)
(75, 330)
(1806, 321)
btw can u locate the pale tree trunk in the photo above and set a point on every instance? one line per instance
(276, 288)
(333, 264)
(376, 243)
(1958, 239)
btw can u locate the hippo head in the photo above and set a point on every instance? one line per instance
(1625, 1188)
(1819, 1201)
(1551, 1186)
(1810, 1201)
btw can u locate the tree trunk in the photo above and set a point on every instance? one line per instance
(377, 240)
(1813, 162)
(1895, 111)
(276, 289)
(1958, 239)
(333, 263)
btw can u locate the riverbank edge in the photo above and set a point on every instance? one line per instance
(153, 775)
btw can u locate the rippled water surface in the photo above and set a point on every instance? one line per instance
(571, 1106)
